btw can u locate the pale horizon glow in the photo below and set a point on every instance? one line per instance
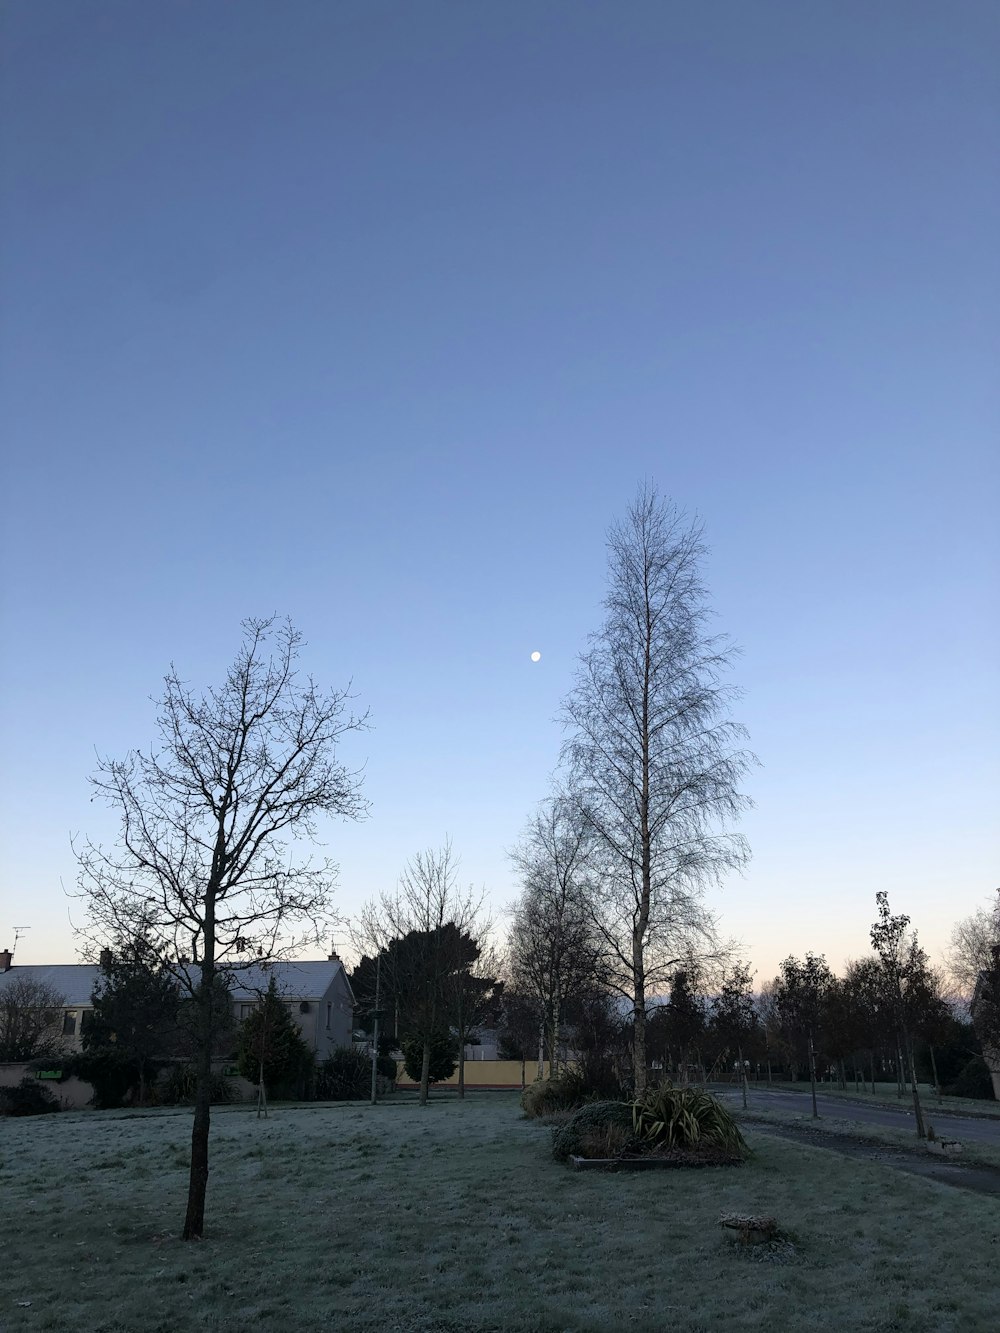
(381, 324)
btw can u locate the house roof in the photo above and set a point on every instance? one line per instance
(73, 981)
(298, 980)
(306, 980)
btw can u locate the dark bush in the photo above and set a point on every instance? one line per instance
(345, 1075)
(177, 1088)
(111, 1073)
(550, 1096)
(593, 1130)
(29, 1097)
(604, 1077)
(973, 1080)
(443, 1057)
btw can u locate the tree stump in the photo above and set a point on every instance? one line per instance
(752, 1230)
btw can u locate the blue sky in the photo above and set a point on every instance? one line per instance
(376, 314)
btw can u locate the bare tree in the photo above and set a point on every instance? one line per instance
(30, 1019)
(971, 949)
(422, 932)
(554, 952)
(204, 866)
(653, 754)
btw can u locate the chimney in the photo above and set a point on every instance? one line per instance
(6, 960)
(333, 956)
(105, 958)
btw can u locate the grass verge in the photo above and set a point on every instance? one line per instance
(885, 1095)
(972, 1154)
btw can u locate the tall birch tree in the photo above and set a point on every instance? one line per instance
(653, 753)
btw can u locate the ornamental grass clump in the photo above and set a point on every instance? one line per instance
(689, 1119)
(552, 1096)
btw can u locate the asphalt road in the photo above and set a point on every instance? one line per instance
(962, 1128)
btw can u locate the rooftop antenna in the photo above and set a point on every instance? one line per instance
(18, 932)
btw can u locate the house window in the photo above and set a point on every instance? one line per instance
(69, 1023)
(329, 1010)
(246, 1010)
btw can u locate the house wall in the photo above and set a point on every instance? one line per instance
(321, 1037)
(72, 1093)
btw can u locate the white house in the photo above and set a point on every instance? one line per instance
(317, 993)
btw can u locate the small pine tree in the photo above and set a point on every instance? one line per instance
(271, 1048)
(443, 1056)
(134, 1021)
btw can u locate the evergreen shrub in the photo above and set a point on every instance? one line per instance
(29, 1097)
(593, 1128)
(345, 1075)
(177, 1087)
(443, 1057)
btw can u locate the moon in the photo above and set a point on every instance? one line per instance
(536, 657)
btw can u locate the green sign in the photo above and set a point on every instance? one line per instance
(48, 1073)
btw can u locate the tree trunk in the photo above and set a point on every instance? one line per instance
(937, 1084)
(843, 1075)
(639, 1044)
(194, 1220)
(425, 1073)
(900, 1076)
(918, 1113)
(743, 1073)
(261, 1090)
(461, 1067)
(374, 1096)
(812, 1076)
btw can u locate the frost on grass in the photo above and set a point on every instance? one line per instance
(456, 1217)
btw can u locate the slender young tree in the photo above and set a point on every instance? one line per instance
(908, 986)
(654, 755)
(734, 1014)
(554, 951)
(204, 863)
(799, 997)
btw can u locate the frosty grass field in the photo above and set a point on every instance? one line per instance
(457, 1218)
